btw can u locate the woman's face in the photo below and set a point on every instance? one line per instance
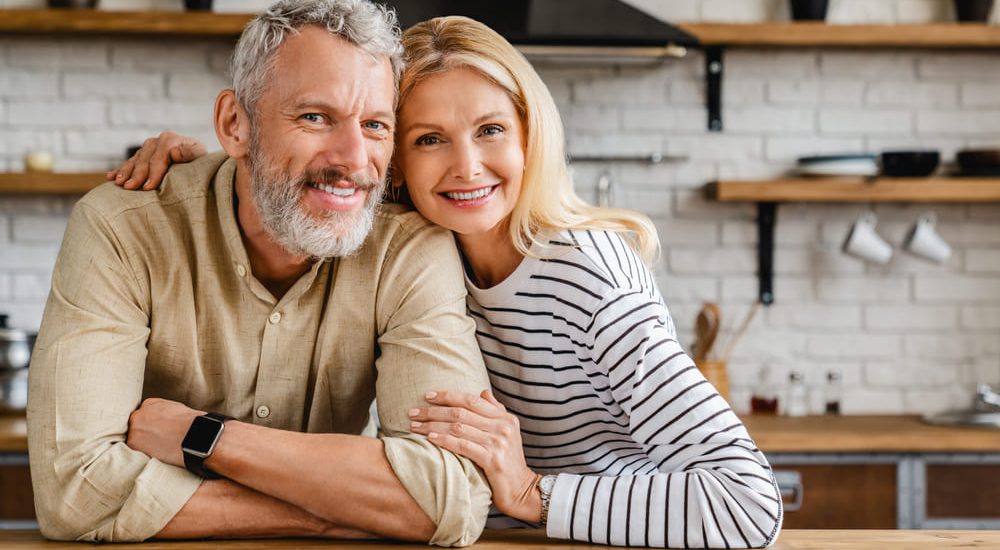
(461, 151)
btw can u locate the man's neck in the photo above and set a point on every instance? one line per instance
(270, 263)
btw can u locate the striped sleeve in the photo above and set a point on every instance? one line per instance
(708, 485)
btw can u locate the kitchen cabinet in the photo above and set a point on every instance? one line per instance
(17, 507)
(843, 496)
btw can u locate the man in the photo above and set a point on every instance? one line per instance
(210, 295)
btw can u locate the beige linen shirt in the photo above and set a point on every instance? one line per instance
(152, 296)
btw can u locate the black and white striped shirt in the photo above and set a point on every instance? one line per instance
(580, 346)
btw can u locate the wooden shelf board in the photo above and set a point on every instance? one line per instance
(858, 190)
(779, 34)
(139, 23)
(49, 183)
(932, 35)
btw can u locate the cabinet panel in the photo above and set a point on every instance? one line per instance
(16, 501)
(963, 491)
(844, 496)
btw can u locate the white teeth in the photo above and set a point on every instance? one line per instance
(338, 191)
(470, 196)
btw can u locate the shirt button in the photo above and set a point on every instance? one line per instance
(242, 271)
(275, 318)
(263, 411)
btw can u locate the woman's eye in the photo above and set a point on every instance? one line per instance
(492, 130)
(428, 140)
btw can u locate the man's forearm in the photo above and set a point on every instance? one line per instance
(343, 479)
(223, 509)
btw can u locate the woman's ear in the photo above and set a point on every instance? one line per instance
(232, 126)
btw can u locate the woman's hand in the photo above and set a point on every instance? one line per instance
(479, 428)
(149, 164)
(158, 427)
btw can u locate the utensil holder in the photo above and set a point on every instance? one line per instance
(716, 374)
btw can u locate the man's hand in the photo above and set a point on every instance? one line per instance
(158, 427)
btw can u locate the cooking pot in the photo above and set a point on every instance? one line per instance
(15, 355)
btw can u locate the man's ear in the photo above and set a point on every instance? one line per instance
(232, 126)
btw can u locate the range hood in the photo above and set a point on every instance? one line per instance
(562, 28)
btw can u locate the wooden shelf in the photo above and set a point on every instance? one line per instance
(116, 22)
(858, 190)
(777, 34)
(789, 34)
(42, 183)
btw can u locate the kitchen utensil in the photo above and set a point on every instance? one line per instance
(973, 10)
(706, 330)
(809, 10)
(909, 164)
(715, 373)
(838, 165)
(923, 240)
(744, 325)
(15, 347)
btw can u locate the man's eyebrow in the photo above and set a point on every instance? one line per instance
(320, 105)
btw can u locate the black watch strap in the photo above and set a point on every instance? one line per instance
(196, 464)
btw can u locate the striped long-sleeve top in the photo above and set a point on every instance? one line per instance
(580, 346)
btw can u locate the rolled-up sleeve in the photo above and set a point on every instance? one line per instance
(427, 341)
(86, 378)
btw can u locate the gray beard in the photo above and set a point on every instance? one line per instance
(278, 198)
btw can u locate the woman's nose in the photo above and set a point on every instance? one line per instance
(466, 162)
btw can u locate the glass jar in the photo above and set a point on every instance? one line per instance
(833, 392)
(797, 400)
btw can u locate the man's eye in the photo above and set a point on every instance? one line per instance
(313, 117)
(375, 125)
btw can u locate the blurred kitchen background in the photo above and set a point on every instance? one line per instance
(909, 336)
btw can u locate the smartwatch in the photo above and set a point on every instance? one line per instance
(200, 441)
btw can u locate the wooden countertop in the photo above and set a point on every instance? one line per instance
(867, 434)
(793, 539)
(778, 434)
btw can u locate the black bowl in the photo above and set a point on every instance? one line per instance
(909, 164)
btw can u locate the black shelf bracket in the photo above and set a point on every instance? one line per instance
(713, 87)
(766, 216)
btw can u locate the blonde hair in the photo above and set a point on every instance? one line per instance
(547, 200)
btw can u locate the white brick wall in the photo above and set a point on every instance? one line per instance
(910, 337)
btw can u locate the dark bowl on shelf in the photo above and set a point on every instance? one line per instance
(976, 160)
(909, 164)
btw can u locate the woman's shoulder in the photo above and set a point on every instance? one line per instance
(603, 256)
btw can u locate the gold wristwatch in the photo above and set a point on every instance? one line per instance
(545, 486)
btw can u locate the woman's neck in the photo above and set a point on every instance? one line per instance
(491, 257)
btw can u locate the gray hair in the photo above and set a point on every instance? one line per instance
(368, 25)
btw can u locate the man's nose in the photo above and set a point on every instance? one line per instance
(467, 162)
(346, 148)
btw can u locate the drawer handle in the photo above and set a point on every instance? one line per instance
(790, 488)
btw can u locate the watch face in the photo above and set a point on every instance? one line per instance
(202, 435)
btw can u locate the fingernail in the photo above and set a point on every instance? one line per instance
(128, 181)
(431, 394)
(414, 412)
(416, 424)
(432, 435)
(119, 176)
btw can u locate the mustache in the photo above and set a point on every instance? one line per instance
(330, 176)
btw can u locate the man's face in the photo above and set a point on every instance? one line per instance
(321, 142)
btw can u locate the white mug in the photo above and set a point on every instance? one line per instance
(923, 240)
(863, 242)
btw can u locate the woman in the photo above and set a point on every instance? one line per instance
(601, 428)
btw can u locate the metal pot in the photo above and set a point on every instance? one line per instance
(13, 390)
(15, 347)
